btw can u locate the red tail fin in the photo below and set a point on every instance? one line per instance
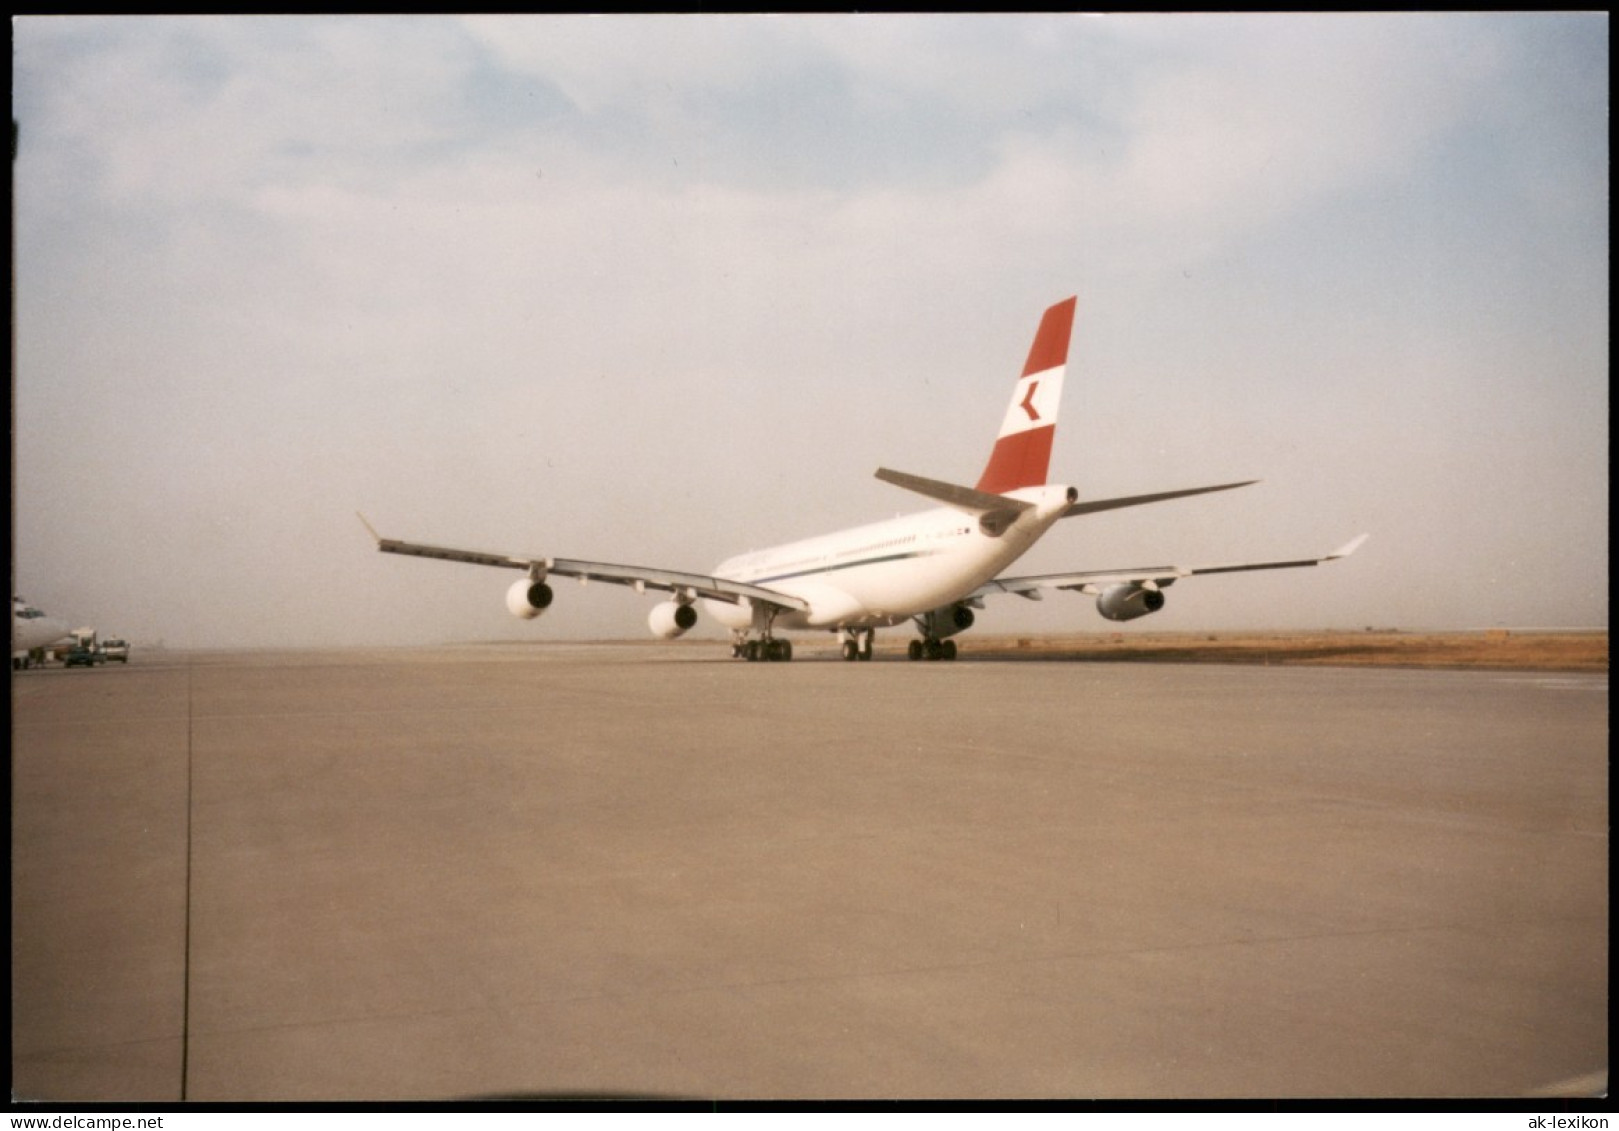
(1023, 445)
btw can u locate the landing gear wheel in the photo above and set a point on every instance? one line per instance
(947, 650)
(914, 650)
(849, 650)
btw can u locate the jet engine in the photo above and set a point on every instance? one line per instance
(946, 620)
(528, 598)
(1129, 601)
(671, 619)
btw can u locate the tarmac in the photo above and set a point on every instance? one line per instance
(648, 871)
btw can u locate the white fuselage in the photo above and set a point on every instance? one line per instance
(887, 572)
(32, 629)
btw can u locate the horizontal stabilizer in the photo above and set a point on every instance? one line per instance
(1138, 500)
(963, 498)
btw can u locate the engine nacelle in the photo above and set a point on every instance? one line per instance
(1128, 601)
(671, 619)
(528, 598)
(946, 620)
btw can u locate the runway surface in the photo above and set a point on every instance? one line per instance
(649, 871)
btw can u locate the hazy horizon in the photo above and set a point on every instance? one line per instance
(661, 289)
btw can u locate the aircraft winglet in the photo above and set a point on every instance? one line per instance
(1346, 549)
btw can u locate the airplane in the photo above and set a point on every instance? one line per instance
(31, 633)
(932, 568)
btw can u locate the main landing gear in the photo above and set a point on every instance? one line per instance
(768, 648)
(857, 643)
(931, 649)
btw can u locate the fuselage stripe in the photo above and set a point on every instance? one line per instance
(840, 565)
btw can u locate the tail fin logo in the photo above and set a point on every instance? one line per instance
(1028, 401)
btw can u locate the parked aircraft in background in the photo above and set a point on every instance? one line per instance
(31, 633)
(933, 568)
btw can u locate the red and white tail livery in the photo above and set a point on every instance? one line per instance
(1022, 454)
(933, 568)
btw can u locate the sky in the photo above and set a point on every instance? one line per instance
(662, 289)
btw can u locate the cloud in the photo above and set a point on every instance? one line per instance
(954, 123)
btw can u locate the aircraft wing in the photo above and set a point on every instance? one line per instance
(639, 578)
(1094, 581)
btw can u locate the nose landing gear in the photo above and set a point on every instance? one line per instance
(858, 643)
